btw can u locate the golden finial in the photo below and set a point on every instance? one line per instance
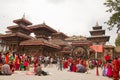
(43, 22)
(23, 16)
(97, 24)
(58, 30)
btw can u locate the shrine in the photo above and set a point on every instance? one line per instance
(40, 45)
(18, 39)
(99, 40)
(16, 34)
(98, 35)
(79, 46)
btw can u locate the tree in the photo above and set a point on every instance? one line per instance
(117, 41)
(114, 9)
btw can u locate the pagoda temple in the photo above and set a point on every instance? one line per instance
(99, 40)
(98, 35)
(16, 34)
(40, 45)
(19, 40)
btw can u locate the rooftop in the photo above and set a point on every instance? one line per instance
(38, 42)
(18, 34)
(42, 26)
(22, 20)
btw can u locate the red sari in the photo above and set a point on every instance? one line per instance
(35, 64)
(7, 58)
(116, 69)
(65, 64)
(17, 63)
(109, 70)
(74, 68)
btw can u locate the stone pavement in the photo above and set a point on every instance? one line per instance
(55, 75)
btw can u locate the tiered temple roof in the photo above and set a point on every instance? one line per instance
(59, 35)
(22, 21)
(14, 35)
(18, 31)
(42, 26)
(36, 42)
(18, 36)
(42, 32)
(58, 38)
(98, 35)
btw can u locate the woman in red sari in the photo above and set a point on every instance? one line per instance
(74, 68)
(17, 62)
(116, 69)
(35, 64)
(109, 69)
(65, 64)
(7, 57)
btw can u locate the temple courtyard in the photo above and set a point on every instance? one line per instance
(55, 74)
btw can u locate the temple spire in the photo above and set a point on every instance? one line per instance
(23, 16)
(97, 24)
(58, 30)
(44, 22)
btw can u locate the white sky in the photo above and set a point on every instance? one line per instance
(72, 17)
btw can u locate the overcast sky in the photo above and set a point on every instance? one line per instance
(72, 17)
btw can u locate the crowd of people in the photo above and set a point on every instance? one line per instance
(11, 61)
(112, 68)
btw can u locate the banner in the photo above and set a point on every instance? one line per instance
(98, 48)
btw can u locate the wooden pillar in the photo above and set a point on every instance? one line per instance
(12, 47)
(41, 50)
(112, 53)
(5, 47)
(88, 53)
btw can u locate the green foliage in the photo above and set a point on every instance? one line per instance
(117, 41)
(114, 9)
